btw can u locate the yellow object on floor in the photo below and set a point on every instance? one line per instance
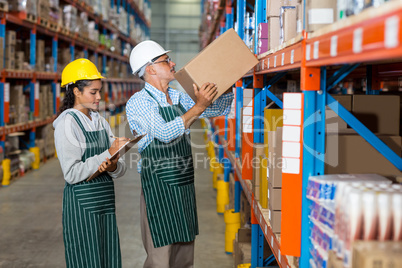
(118, 119)
(222, 195)
(232, 221)
(218, 169)
(112, 122)
(244, 265)
(6, 172)
(36, 152)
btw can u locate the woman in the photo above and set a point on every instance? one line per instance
(83, 144)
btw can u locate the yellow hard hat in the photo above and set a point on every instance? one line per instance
(79, 69)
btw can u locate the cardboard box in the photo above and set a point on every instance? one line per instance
(19, 60)
(375, 254)
(256, 162)
(350, 153)
(319, 13)
(242, 247)
(274, 218)
(223, 62)
(380, 114)
(333, 261)
(289, 24)
(245, 210)
(11, 38)
(274, 198)
(10, 64)
(274, 6)
(275, 164)
(274, 33)
(333, 122)
(299, 18)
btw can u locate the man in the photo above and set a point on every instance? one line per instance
(168, 206)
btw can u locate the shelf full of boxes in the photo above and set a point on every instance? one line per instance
(38, 38)
(324, 99)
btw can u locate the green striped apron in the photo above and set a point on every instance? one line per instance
(167, 178)
(90, 232)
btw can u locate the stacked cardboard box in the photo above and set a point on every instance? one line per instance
(45, 135)
(11, 41)
(263, 38)
(242, 247)
(245, 210)
(374, 254)
(40, 56)
(28, 6)
(259, 152)
(43, 9)
(45, 101)
(18, 105)
(347, 152)
(281, 17)
(319, 13)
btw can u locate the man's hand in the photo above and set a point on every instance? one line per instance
(205, 94)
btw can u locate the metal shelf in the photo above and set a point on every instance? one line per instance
(26, 126)
(259, 212)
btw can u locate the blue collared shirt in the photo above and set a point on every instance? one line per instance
(143, 114)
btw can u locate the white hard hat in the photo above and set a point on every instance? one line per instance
(143, 53)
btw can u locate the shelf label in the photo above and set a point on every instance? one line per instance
(292, 56)
(391, 32)
(308, 52)
(272, 240)
(260, 218)
(316, 49)
(57, 90)
(37, 91)
(266, 230)
(275, 62)
(268, 64)
(263, 65)
(7, 92)
(357, 40)
(283, 59)
(334, 46)
(279, 255)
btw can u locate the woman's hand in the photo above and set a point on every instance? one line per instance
(117, 144)
(108, 165)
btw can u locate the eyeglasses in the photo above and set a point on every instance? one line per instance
(167, 60)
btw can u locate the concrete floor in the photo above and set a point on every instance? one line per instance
(30, 216)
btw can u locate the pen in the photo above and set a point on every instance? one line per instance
(114, 137)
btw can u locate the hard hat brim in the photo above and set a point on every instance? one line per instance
(157, 55)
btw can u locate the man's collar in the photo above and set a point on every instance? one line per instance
(156, 92)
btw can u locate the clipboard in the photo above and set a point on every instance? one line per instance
(123, 149)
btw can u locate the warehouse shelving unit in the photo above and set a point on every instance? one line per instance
(119, 89)
(370, 38)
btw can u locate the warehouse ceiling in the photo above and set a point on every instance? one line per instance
(175, 25)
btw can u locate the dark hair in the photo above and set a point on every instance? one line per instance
(69, 98)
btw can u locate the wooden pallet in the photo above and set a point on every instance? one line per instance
(43, 22)
(4, 6)
(53, 26)
(31, 18)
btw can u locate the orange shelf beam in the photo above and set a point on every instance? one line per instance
(372, 39)
(286, 59)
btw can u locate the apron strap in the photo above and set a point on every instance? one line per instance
(78, 121)
(152, 96)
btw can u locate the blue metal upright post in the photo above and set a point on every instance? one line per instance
(257, 246)
(259, 105)
(72, 52)
(260, 11)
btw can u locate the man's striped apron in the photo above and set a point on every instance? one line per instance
(167, 177)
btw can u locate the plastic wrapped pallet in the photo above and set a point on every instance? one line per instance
(28, 6)
(70, 14)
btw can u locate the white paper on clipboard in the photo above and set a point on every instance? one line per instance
(123, 149)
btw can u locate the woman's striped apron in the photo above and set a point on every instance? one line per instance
(90, 232)
(167, 177)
